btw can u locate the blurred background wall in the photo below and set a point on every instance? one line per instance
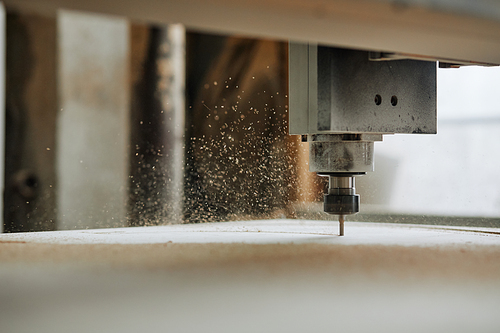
(118, 123)
(453, 173)
(113, 123)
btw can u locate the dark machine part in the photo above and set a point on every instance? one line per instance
(341, 198)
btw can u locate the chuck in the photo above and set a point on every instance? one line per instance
(341, 198)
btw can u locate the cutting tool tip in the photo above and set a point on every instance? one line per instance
(341, 225)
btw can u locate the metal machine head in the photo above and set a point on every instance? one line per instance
(344, 100)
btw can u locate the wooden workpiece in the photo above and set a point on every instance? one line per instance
(274, 276)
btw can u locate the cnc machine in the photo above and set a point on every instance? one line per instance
(342, 101)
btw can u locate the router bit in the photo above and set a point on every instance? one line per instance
(341, 225)
(341, 198)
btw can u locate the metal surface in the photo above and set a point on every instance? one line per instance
(341, 225)
(466, 30)
(341, 185)
(298, 76)
(348, 93)
(350, 153)
(443, 63)
(348, 156)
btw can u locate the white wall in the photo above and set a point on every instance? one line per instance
(455, 172)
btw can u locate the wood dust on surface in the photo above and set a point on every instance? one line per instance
(477, 263)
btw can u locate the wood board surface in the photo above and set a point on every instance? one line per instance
(247, 276)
